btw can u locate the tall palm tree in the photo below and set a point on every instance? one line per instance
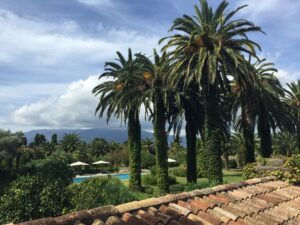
(156, 92)
(206, 48)
(187, 107)
(245, 122)
(293, 99)
(270, 109)
(120, 96)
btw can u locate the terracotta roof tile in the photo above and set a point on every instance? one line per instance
(132, 220)
(261, 201)
(203, 204)
(98, 222)
(114, 220)
(222, 217)
(235, 211)
(238, 222)
(207, 218)
(148, 218)
(226, 213)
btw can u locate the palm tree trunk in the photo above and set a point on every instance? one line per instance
(248, 133)
(226, 160)
(191, 155)
(134, 151)
(161, 145)
(266, 142)
(264, 131)
(212, 136)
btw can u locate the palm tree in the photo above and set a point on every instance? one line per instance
(70, 142)
(245, 122)
(156, 92)
(207, 48)
(190, 106)
(121, 97)
(285, 143)
(270, 109)
(293, 99)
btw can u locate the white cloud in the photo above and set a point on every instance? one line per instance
(52, 52)
(62, 44)
(75, 108)
(287, 77)
(259, 9)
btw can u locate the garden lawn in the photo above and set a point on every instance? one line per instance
(229, 176)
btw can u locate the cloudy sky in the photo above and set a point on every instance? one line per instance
(51, 52)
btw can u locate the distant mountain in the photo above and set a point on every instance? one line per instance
(110, 134)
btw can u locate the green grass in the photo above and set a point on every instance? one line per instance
(230, 176)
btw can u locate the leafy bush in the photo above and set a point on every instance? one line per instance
(148, 160)
(181, 171)
(6, 176)
(99, 191)
(30, 198)
(289, 171)
(178, 171)
(150, 179)
(51, 168)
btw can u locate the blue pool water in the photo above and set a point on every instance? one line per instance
(83, 178)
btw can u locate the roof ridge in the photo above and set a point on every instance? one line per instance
(104, 212)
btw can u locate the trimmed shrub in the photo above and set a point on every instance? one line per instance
(31, 198)
(100, 191)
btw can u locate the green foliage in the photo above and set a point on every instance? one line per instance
(201, 185)
(70, 142)
(289, 171)
(10, 144)
(181, 171)
(178, 171)
(232, 163)
(51, 169)
(39, 139)
(99, 191)
(150, 179)
(30, 198)
(148, 160)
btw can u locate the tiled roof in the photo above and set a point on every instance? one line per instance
(263, 201)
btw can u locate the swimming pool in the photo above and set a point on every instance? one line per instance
(83, 178)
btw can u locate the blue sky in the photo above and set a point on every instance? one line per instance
(51, 52)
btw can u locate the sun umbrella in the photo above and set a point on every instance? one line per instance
(101, 163)
(171, 160)
(79, 164)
